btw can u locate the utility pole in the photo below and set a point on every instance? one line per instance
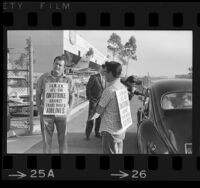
(31, 85)
(8, 59)
(148, 80)
(127, 67)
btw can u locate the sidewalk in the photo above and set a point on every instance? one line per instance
(75, 136)
(13, 132)
(19, 142)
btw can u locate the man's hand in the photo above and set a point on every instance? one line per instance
(94, 116)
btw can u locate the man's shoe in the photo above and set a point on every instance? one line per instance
(87, 138)
(98, 135)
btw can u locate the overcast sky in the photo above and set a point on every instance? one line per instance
(161, 53)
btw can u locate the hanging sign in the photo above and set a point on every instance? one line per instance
(56, 99)
(124, 108)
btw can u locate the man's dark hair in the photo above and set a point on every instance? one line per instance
(114, 67)
(59, 58)
(103, 66)
(131, 79)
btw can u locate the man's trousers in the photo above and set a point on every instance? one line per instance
(89, 127)
(111, 145)
(49, 125)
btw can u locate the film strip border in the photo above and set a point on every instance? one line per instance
(101, 15)
(107, 16)
(101, 167)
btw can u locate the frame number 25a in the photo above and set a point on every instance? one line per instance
(42, 174)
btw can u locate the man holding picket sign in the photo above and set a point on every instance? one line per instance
(54, 99)
(114, 109)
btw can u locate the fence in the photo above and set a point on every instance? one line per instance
(22, 110)
(19, 88)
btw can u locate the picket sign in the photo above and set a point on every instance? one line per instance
(124, 108)
(56, 99)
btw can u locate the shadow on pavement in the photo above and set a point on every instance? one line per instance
(130, 143)
(76, 143)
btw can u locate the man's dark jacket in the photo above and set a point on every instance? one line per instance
(94, 90)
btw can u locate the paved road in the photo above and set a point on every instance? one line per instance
(75, 136)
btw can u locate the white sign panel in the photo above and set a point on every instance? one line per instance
(56, 99)
(124, 108)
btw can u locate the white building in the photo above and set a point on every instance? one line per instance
(47, 44)
(77, 45)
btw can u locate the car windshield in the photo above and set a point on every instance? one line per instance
(17, 82)
(176, 100)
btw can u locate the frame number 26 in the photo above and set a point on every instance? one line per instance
(139, 174)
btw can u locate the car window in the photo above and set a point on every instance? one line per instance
(146, 96)
(176, 100)
(150, 106)
(146, 102)
(15, 82)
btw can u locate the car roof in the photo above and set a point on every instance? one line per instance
(169, 85)
(162, 87)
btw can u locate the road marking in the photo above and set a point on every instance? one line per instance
(8, 141)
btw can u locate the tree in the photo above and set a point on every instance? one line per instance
(28, 48)
(21, 62)
(128, 52)
(114, 44)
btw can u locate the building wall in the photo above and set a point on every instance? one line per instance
(81, 46)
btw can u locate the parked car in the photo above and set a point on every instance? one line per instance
(19, 96)
(165, 120)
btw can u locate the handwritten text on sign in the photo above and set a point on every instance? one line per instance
(124, 108)
(56, 99)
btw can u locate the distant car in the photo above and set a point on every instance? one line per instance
(18, 96)
(165, 120)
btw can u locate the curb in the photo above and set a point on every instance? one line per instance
(77, 109)
(16, 132)
(36, 128)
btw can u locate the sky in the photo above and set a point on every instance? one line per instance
(159, 53)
